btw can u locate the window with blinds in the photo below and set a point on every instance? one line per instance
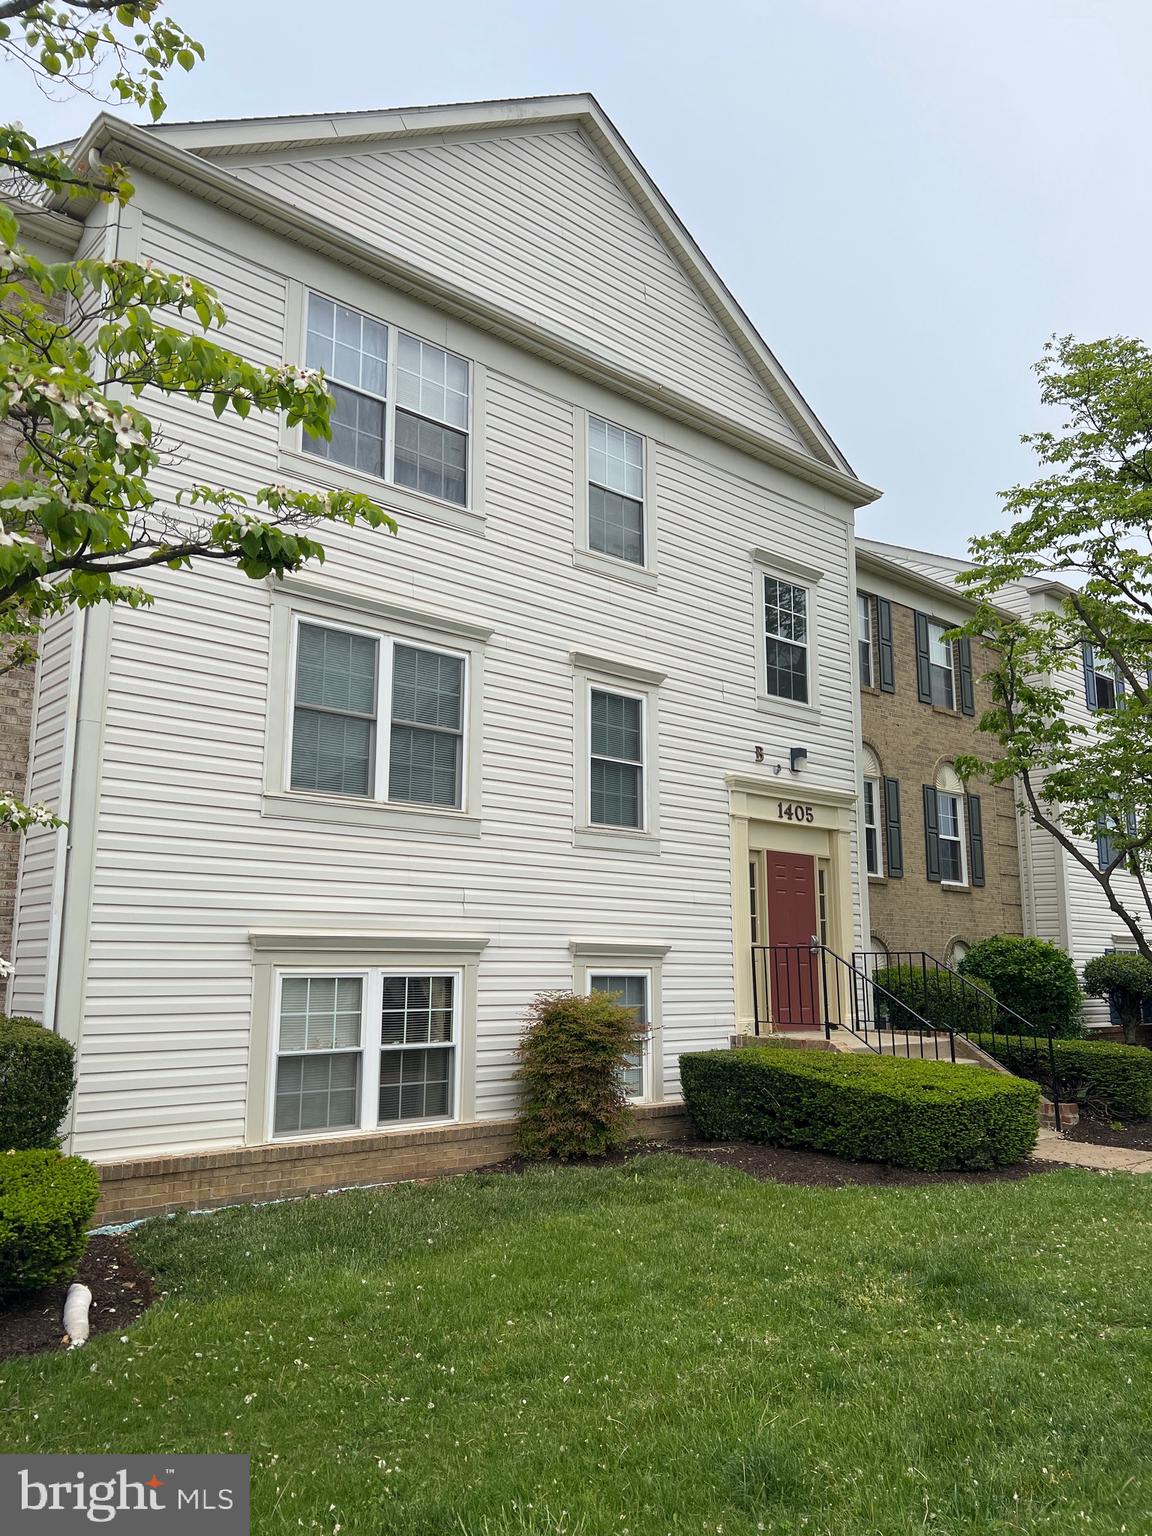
(348, 686)
(400, 406)
(616, 797)
(318, 1062)
(631, 989)
(615, 491)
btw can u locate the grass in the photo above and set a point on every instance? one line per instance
(662, 1347)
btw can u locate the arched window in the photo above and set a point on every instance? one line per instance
(871, 816)
(956, 952)
(951, 861)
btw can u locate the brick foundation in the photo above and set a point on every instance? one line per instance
(156, 1186)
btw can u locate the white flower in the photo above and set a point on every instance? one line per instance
(5, 968)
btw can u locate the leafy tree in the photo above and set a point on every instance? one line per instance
(1082, 537)
(1126, 981)
(86, 344)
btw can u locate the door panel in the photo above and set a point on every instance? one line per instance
(790, 889)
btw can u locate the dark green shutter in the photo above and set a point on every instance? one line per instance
(931, 832)
(964, 658)
(976, 839)
(893, 834)
(887, 655)
(923, 661)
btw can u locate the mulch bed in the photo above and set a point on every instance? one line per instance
(785, 1165)
(121, 1291)
(1138, 1135)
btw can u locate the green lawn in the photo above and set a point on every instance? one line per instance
(663, 1347)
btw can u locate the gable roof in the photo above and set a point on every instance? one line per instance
(196, 155)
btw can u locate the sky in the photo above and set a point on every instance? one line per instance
(906, 196)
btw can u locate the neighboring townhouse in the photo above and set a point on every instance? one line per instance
(941, 858)
(589, 722)
(1060, 899)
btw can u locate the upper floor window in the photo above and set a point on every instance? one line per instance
(950, 809)
(615, 491)
(873, 814)
(1111, 839)
(616, 787)
(953, 831)
(864, 639)
(377, 718)
(400, 405)
(1103, 684)
(943, 686)
(786, 640)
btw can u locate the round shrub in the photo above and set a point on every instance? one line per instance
(937, 997)
(46, 1203)
(571, 1063)
(36, 1080)
(1034, 978)
(1126, 981)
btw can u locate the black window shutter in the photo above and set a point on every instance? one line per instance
(887, 656)
(931, 832)
(923, 661)
(1089, 675)
(893, 835)
(976, 840)
(964, 656)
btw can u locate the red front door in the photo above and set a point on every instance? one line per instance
(790, 883)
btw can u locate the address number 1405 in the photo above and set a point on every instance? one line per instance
(789, 810)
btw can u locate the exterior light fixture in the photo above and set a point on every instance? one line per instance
(797, 757)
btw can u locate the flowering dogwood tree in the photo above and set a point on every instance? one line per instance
(86, 345)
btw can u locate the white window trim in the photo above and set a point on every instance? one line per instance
(645, 1051)
(295, 602)
(962, 825)
(369, 955)
(598, 957)
(793, 574)
(868, 601)
(595, 560)
(629, 681)
(876, 825)
(950, 647)
(321, 473)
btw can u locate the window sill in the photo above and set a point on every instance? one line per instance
(351, 1132)
(768, 704)
(956, 886)
(942, 709)
(622, 841)
(323, 474)
(615, 570)
(878, 879)
(432, 823)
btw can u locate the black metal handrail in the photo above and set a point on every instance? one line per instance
(990, 1015)
(808, 986)
(811, 986)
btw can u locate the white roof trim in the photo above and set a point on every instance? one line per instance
(126, 142)
(246, 136)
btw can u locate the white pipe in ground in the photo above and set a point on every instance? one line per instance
(76, 1305)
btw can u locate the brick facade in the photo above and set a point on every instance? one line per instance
(911, 740)
(156, 1186)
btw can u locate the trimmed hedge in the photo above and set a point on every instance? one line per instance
(1126, 981)
(46, 1203)
(937, 997)
(1034, 978)
(37, 1075)
(1108, 1080)
(881, 1109)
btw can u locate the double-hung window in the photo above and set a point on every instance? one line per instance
(616, 794)
(873, 856)
(1102, 685)
(400, 405)
(377, 718)
(632, 991)
(786, 644)
(615, 491)
(864, 640)
(950, 823)
(378, 1048)
(941, 668)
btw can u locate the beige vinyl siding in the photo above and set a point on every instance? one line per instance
(538, 223)
(38, 891)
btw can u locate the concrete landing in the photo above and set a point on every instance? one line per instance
(1051, 1148)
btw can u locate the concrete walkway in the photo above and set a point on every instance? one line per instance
(1051, 1148)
